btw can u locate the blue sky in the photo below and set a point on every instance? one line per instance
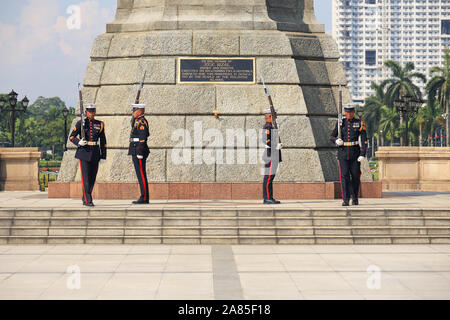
(40, 56)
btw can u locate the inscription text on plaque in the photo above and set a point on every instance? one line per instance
(216, 70)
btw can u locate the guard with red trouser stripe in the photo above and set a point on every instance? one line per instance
(350, 154)
(139, 150)
(271, 159)
(90, 150)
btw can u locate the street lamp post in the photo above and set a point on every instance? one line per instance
(14, 106)
(65, 113)
(381, 138)
(446, 117)
(407, 105)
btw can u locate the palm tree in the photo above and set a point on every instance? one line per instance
(421, 120)
(389, 123)
(439, 86)
(372, 109)
(402, 83)
(429, 116)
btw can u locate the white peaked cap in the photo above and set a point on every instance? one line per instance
(90, 106)
(138, 106)
(268, 111)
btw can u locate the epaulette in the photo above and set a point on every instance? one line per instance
(143, 121)
(363, 126)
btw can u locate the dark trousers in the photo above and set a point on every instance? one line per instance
(89, 171)
(269, 175)
(141, 171)
(350, 186)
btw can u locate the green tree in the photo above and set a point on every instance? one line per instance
(401, 81)
(428, 118)
(389, 123)
(439, 87)
(41, 126)
(372, 109)
(30, 130)
(5, 122)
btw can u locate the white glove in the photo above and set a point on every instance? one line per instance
(140, 157)
(82, 143)
(102, 160)
(279, 146)
(361, 158)
(339, 142)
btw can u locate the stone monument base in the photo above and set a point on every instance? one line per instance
(420, 169)
(19, 169)
(211, 191)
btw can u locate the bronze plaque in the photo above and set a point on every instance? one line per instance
(216, 70)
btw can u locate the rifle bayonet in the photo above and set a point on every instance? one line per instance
(272, 108)
(80, 94)
(340, 113)
(138, 96)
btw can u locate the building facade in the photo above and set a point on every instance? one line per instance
(370, 32)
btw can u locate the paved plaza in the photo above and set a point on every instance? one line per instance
(171, 272)
(398, 200)
(225, 272)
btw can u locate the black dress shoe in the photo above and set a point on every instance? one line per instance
(276, 201)
(345, 204)
(140, 201)
(355, 202)
(269, 201)
(90, 204)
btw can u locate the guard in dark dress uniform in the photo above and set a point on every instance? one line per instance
(350, 154)
(90, 152)
(139, 150)
(271, 158)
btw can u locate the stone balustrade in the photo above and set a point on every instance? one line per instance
(19, 169)
(414, 168)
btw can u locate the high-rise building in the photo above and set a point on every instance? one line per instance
(370, 32)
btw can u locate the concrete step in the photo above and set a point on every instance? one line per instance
(226, 240)
(228, 234)
(217, 225)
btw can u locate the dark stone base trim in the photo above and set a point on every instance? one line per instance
(211, 191)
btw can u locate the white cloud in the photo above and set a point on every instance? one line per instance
(38, 13)
(41, 28)
(41, 56)
(74, 42)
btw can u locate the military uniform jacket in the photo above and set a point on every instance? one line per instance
(94, 131)
(351, 131)
(138, 138)
(268, 137)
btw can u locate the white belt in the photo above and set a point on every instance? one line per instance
(92, 143)
(134, 139)
(352, 143)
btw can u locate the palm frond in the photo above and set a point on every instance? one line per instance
(394, 66)
(418, 75)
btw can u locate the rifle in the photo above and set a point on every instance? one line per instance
(138, 96)
(340, 113)
(272, 109)
(83, 135)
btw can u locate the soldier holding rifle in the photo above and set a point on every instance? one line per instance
(138, 148)
(272, 152)
(346, 136)
(90, 150)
